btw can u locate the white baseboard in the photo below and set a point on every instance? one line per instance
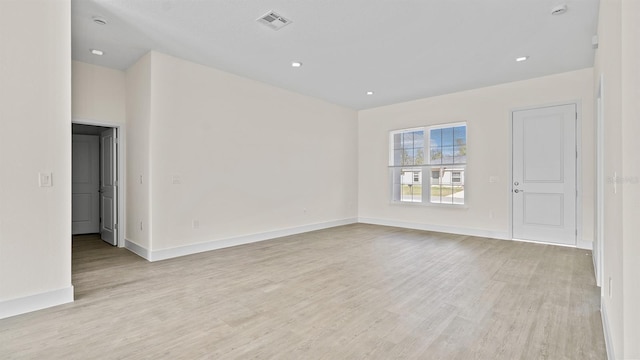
(585, 244)
(137, 249)
(35, 302)
(607, 331)
(437, 228)
(241, 240)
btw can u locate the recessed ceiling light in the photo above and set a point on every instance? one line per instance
(522, 58)
(100, 21)
(97, 52)
(296, 64)
(369, 92)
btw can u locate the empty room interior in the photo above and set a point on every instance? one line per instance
(319, 180)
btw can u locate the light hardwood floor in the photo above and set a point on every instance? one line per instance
(351, 292)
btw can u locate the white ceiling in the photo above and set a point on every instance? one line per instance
(402, 50)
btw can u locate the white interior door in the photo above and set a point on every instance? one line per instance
(544, 174)
(85, 215)
(108, 187)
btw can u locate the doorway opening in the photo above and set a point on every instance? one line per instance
(95, 182)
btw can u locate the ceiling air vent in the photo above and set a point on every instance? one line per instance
(273, 20)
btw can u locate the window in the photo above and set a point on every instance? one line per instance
(445, 147)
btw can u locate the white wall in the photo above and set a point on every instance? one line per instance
(35, 136)
(608, 63)
(631, 172)
(98, 94)
(250, 158)
(487, 113)
(617, 61)
(138, 119)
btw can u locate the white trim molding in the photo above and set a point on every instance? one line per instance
(499, 235)
(585, 244)
(137, 249)
(164, 254)
(437, 228)
(157, 255)
(35, 302)
(608, 341)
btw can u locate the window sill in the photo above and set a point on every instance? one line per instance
(431, 205)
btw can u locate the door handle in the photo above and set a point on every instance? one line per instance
(518, 191)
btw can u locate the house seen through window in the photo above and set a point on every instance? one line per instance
(440, 151)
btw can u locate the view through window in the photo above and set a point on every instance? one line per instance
(445, 147)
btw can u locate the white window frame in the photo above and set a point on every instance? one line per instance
(401, 131)
(427, 167)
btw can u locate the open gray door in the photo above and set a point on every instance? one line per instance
(85, 187)
(108, 187)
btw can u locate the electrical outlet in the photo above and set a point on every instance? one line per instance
(140, 225)
(490, 214)
(44, 180)
(195, 224)
(140, 179)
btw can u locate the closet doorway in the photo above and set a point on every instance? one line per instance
(95, 179)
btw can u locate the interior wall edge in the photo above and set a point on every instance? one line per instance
(137, 249)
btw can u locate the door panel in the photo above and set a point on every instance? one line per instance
(552, 206)
(108, 187)
(542, 142)
(85, 216)
(83, 210)
(544, 174)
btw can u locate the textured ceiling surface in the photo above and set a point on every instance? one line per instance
(401, 50)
